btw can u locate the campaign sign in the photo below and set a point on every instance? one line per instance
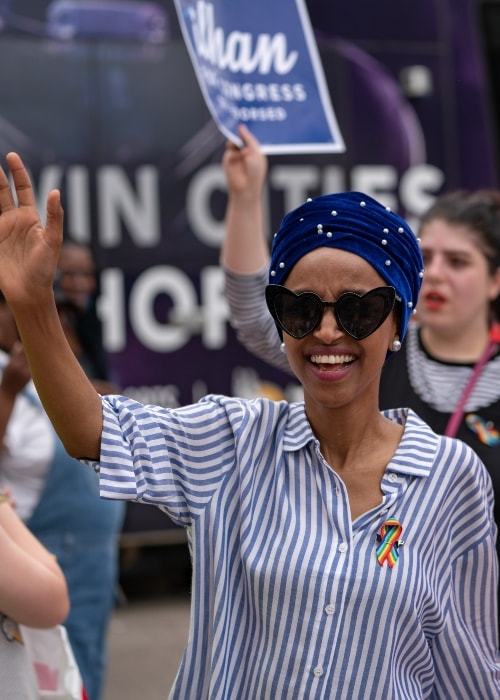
(257, 64)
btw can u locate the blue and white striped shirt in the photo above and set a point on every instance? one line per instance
(288, 599)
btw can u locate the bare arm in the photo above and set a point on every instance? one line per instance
(245, 248)
(32, 586)
(28, 260)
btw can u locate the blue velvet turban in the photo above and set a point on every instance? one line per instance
(358, 224)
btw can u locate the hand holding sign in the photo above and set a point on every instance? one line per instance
(262, 69)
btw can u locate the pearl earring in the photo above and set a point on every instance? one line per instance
(283, 348)
(396, 345)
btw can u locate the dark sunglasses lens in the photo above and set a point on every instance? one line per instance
(360, 316)
(298, 315)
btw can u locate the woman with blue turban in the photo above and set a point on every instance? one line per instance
(448, 370)
(338, 551)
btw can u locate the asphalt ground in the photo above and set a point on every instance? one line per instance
(145, 644)
(149, 626)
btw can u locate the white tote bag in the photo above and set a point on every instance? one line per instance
(55, 667)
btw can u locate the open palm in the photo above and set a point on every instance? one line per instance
(28, 251)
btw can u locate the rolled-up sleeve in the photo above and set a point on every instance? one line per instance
(171, 458)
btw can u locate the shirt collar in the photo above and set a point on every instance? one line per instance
(414, 456)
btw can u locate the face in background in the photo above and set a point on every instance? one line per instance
(335, 369)
(458, 286)
(8, 328)
(77, 274)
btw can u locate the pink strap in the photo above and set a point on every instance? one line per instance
(456, 418)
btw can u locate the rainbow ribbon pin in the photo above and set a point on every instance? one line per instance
(388, 538)
(486, 432)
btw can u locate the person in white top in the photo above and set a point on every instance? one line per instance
(33, 592)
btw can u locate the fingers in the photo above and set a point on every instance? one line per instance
(55, 216)
(249, 140)
(25, 194)
(22, 183)
(247, 137)
(54, 208)
(6, 196)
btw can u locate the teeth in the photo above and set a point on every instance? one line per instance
(331, 359)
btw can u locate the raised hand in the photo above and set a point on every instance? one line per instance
(28, 251)
(244, 248)
(245, 167)
(29, 254)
